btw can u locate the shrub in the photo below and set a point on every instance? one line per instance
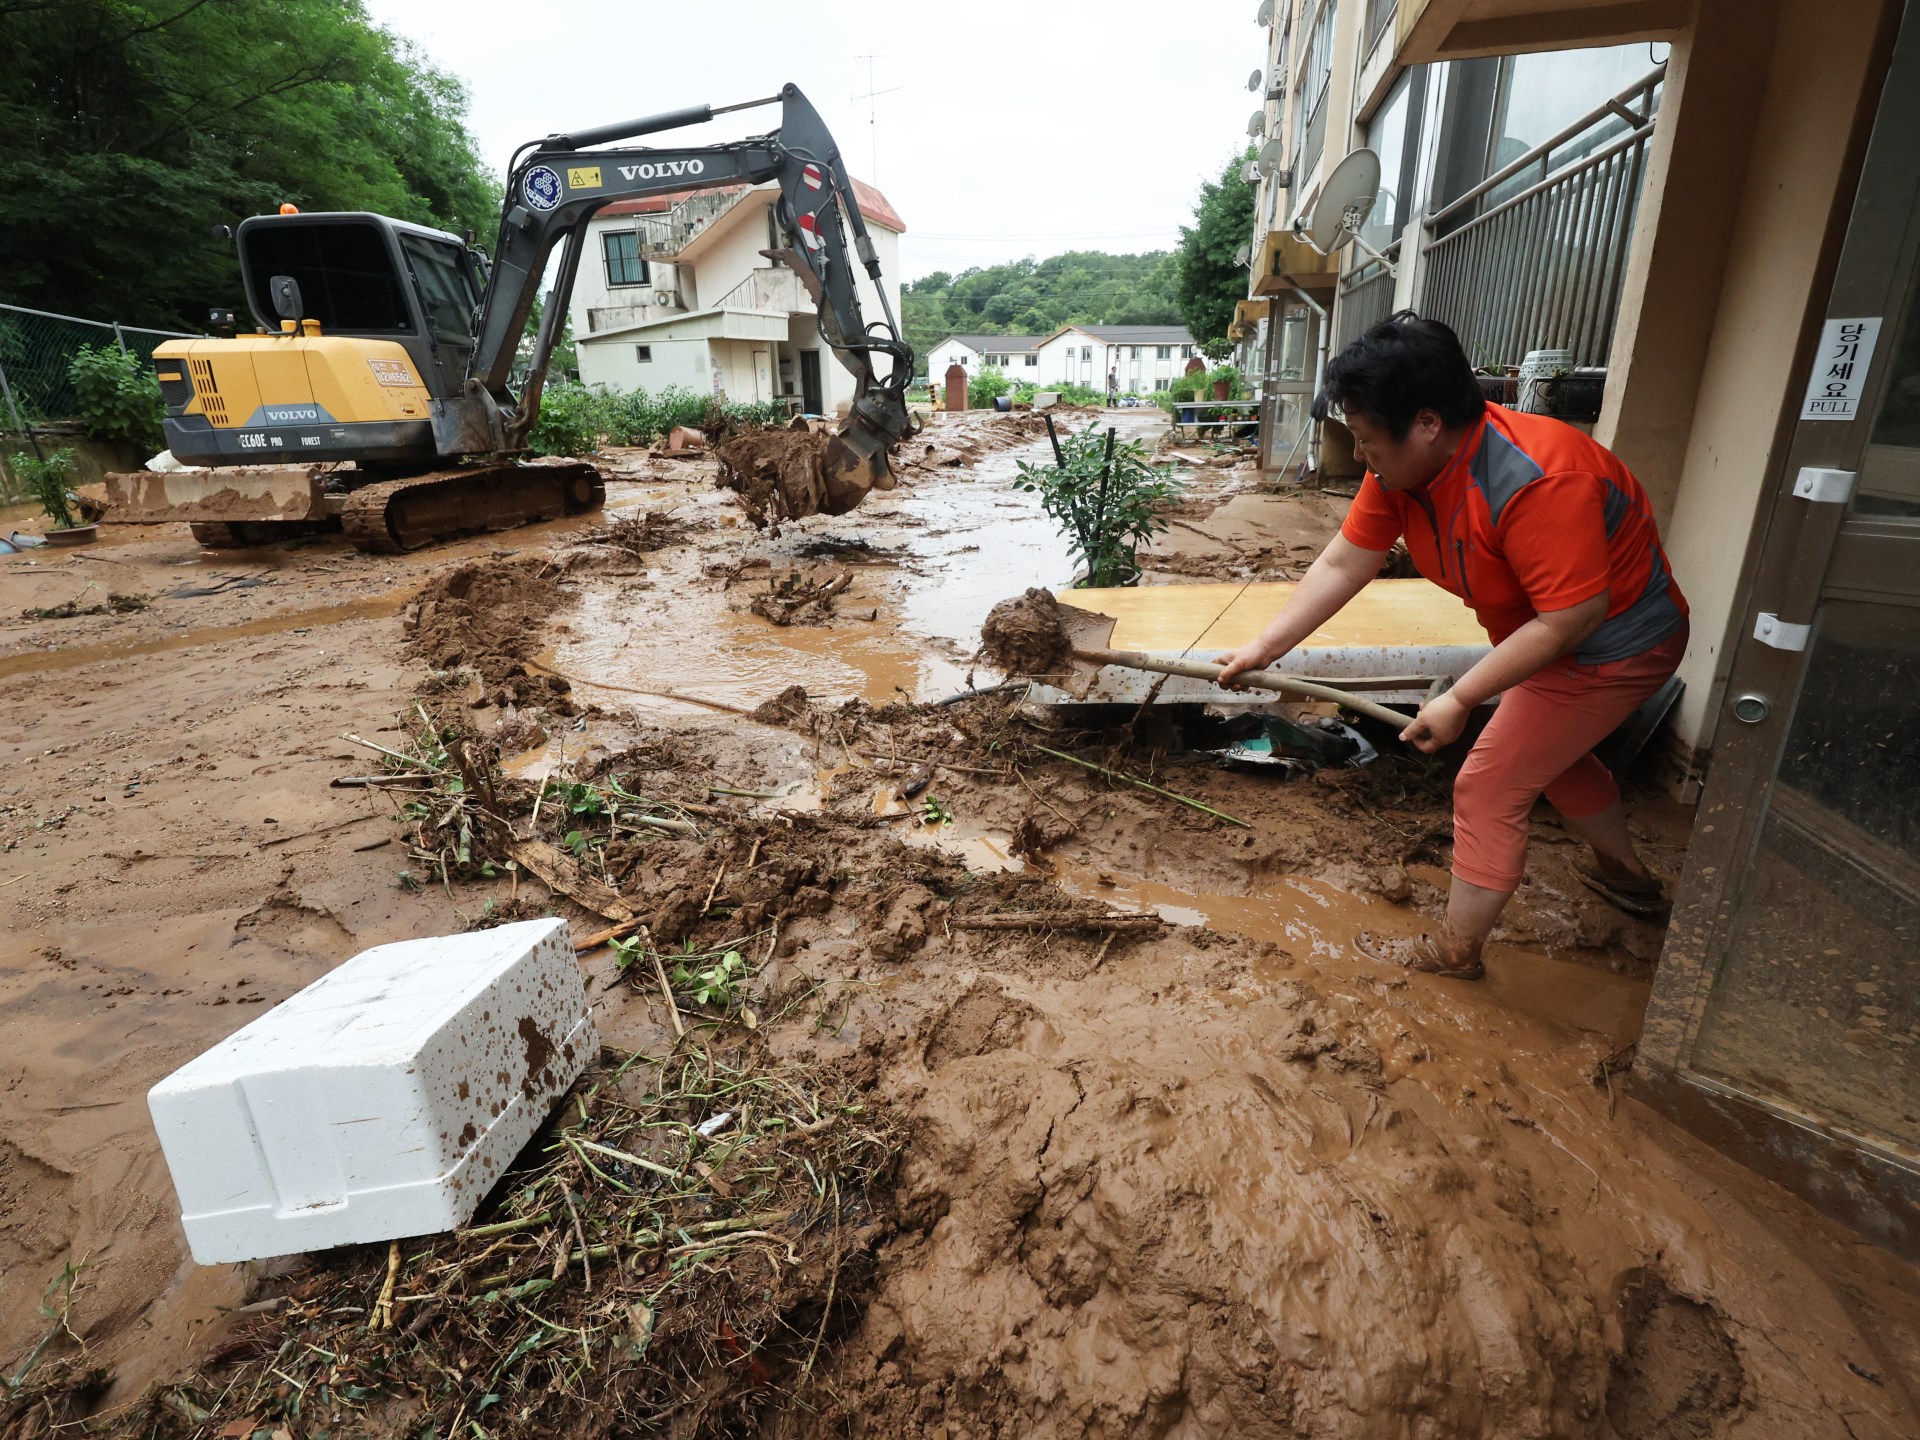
(1107, 510)
(116, 396)
(570, 421)
(986, 387)
(46, 480)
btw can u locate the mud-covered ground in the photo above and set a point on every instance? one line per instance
(1216, 1176)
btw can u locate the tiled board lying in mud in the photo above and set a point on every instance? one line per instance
(1391, 628)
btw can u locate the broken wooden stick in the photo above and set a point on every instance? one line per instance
(1187, 800)
(1055, 920)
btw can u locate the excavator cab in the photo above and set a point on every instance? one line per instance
(383, 330)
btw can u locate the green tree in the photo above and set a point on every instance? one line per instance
(1208, 284)
(128, 128)
(1025, 297)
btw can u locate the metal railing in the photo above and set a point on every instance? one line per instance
(664, 236)
(1542, 269)
(1366, 297)
(775, 288)
(37, 346)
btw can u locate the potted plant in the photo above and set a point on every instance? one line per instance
(46, 478)
(1225, 380)
(1109, 500)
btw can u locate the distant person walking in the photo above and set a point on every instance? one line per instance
(1552, 542)
(1113, 387)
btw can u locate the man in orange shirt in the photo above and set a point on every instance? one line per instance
(1551, 541)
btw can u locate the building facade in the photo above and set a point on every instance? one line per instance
(1712, 206)
(1143, 358)
(1017, 355)
(673, 291)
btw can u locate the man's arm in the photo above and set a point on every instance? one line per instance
(1340, 573)
(1530, 649)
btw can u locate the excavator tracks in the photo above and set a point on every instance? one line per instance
(394, 516)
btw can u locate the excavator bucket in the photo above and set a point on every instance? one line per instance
(854, 461)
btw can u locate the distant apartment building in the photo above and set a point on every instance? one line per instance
(673, 291)
(1143, 358)
(1018, 355)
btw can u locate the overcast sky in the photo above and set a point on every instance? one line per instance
(1010, 130)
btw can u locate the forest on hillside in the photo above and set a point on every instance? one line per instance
(1037, 297)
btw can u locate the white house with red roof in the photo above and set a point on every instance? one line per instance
(673, 291)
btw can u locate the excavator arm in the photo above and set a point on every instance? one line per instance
(558, 184)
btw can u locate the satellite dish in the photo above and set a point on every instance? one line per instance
(1250, 172)
(1243, 254)
(1257, 124)
(1345, 201)
(1269, 160)
(1265, 16)
(1253, 81)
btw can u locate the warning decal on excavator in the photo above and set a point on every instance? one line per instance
(392, 372)
(580, 177)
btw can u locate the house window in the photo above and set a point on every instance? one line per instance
(1160, 385)
(624, 265)
(1163, 352)
(1136, 352)
(643, 353)
(1186, 352)
(1086, 352)
(1033, 360)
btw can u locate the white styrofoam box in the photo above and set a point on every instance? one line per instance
(383, 1100)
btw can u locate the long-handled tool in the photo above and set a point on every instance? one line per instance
(1089, 633)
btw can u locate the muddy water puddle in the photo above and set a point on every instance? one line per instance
(74, 656)
(929, 561)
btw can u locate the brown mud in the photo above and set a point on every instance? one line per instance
(1024, 635)
(1211, 1175)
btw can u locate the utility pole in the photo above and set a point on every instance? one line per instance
(873, 131)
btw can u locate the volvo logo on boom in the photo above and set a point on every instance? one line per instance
(663, 169)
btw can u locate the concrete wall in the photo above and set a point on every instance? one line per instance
(1778, 115)
(615, 363)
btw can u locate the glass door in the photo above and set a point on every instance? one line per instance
(1785, 1020)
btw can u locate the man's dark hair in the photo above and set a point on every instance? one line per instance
(1402, 366)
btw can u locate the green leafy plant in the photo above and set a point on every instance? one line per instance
(1108, 507)
(719, 981)
(626, 952)
(986, 387)
(935, 811)
(46, 480)
(569, 423)
(116, 396)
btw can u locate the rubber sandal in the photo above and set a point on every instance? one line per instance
(1420, 954)
(1642, 899)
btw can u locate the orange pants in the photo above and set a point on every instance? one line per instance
(1541, 739)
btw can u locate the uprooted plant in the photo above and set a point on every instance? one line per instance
(671, 1255)
(1107, 497)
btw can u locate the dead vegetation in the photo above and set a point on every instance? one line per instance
(672, 1255)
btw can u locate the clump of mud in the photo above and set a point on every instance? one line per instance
(488, 617)
(778, 474)
(1678, 1375)
(1026, 635)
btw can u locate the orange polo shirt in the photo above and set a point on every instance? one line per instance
(1529, 515)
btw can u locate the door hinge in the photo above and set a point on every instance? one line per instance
(1770, 629)
(1824, 487)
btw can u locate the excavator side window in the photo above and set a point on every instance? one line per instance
(346, 273)
(446, 292)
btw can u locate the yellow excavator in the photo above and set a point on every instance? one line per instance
(379, 394)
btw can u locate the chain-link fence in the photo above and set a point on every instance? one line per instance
(36, 347)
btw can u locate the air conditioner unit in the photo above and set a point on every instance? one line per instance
(1250, 172)
(1278, 89)
(664, 297)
